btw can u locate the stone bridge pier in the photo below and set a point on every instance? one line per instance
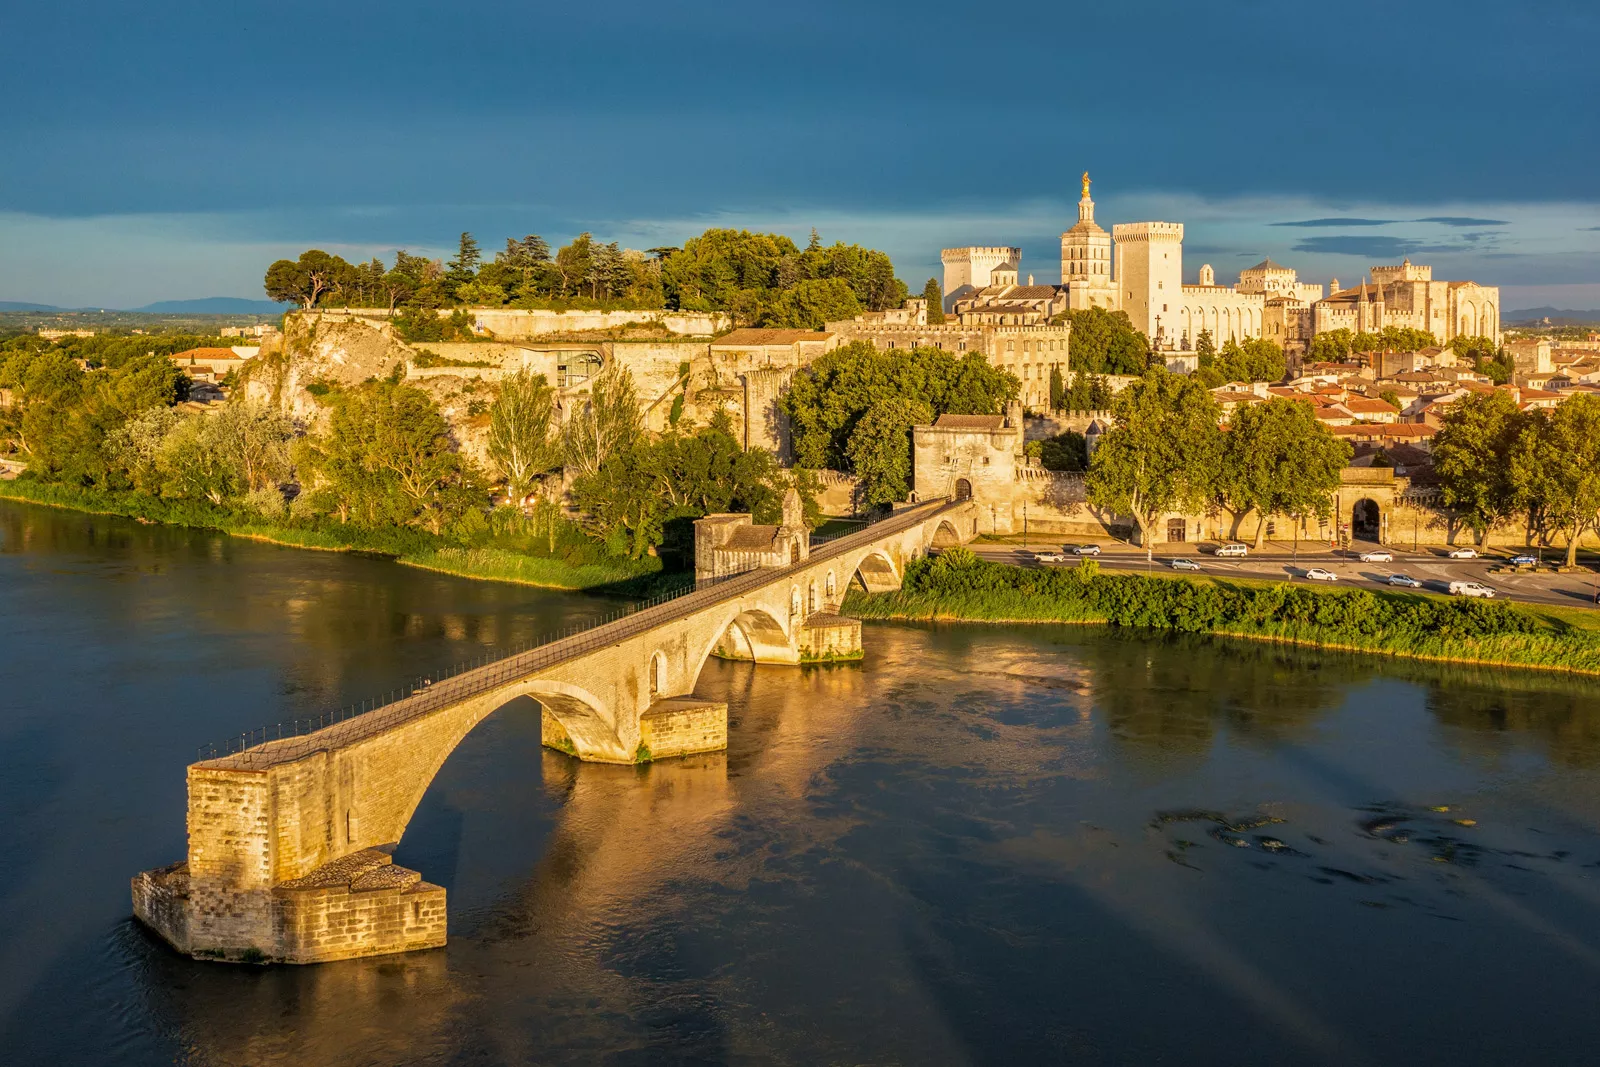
(290, 841)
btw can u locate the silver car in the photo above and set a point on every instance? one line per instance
(1086, 550)
(1404, 580)
(1185, 565)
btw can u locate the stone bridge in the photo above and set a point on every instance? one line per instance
(290, 840)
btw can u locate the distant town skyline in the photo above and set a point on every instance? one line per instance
(906, 127)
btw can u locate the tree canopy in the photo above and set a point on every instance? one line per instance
(1105, 342)
(759, 279)
(1278, 459)
(1162, 453)
(1472, 458)
(828, 404)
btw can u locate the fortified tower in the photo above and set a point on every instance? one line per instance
(967, 270)
(1150, 276)
(1086, 259)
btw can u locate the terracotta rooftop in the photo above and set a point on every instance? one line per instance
(751, 336)
(196, 354)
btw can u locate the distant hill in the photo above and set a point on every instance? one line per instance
(12, 305)
(1557, 316)
(214, 305)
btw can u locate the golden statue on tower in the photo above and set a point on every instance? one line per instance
(1086, 185)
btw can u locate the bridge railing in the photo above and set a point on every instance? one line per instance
(439, 689)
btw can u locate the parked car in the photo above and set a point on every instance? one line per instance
(1404, 580)
(1317, 574)
(1470, 589)
(1185, 565)
(1232, 549)
(1050, 557)
(1523, 561)
(1463, 553)
(1377, 555)
(1086, 550)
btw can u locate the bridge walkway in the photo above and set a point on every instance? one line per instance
(287, 742)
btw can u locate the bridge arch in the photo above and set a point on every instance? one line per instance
(877, 573)
(945, 536)
(745, 632)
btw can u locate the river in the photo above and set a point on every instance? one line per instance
(983, 845)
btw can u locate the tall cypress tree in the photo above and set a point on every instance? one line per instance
(935, 298)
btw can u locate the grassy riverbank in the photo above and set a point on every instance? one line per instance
(958, 585)
(486, 555)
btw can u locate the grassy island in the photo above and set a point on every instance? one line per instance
(565, 561)
(958, 585)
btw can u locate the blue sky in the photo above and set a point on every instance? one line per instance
(171, 149)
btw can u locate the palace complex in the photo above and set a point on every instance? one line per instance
(1137, 268)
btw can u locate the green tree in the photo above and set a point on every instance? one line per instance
(306, 280)
(811, 304)
(826, 400)
(879, 451)
(521, 444)
(607, 424)
(1472, 458)
(1330, 346)
(1161, 454)
(464, 267)
(1556, 468)
(1066, 451)
(1278, 459)
(1105, 342)
(935, 298)
(1058, 389)
(1205, 349)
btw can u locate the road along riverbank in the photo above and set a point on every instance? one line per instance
(959, 585)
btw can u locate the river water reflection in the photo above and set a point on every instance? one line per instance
(984, 845)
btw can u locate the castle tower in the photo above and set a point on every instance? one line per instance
(1086, 259)
(969, 269)
(1150, 276)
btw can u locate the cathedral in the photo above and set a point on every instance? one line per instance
(1137, 268)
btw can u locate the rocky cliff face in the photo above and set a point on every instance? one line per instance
(320, 352)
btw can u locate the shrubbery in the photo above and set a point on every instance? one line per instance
(958, 584)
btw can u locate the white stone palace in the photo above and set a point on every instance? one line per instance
(1137, 268)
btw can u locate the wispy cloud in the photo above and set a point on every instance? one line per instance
(1370, 246)
(1333, 222)
(1463, 220)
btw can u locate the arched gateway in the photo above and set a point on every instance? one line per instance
(289, 840)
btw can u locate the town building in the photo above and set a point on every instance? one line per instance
(1137, 269)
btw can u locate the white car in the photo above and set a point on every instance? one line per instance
(1232, 549)
(1317, 574)
(1185, 565)
(1470, 589)
(1050, 557)
(1404, 580)
(1377, 556)
(1086, 550)
(1463, 553)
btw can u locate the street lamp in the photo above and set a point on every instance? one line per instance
(1024, 526)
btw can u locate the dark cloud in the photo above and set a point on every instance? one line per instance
(1327, 223)
(1461, 220)
(1373, 247)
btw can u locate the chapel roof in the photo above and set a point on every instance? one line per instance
(752, 538)
(1268, 264)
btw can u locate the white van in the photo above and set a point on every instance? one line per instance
(1470, 589)
(1232, 548)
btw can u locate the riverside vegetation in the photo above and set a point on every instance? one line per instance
(958, 585)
